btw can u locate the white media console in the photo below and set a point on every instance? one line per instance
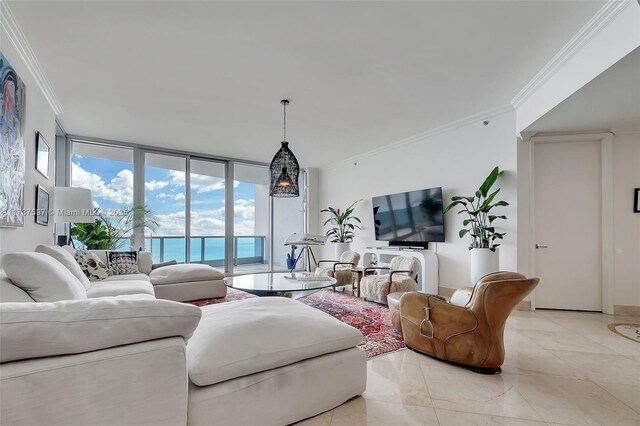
(428, 273)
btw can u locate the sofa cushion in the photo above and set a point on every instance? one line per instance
(32, 330)
(119, 287)
(123, 262)
(128, 277)
(92, 265)
(42, 277)
(10, 292)
(184, 272)
(68, 261)
(248, 336)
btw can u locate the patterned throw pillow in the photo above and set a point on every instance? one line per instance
(123, 262)
(91, 265)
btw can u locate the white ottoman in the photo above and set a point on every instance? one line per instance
(189, 281)
(270, 361)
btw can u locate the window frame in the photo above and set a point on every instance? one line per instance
(139, 152)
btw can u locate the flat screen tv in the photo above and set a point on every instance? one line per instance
(409, 218)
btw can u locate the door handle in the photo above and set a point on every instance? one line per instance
(538, 246)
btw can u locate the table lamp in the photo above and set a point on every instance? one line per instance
(72, 205)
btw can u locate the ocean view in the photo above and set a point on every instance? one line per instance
(214, 248)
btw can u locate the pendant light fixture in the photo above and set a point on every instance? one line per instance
(284, 167)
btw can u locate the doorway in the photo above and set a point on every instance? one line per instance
(571, 221)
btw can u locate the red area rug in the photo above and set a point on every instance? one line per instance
(373, 320)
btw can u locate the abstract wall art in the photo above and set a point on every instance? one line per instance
(12, 147)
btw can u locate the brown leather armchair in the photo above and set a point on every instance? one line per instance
(470, 335)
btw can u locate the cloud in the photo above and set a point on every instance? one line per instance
(179, 196)
(209, 222)
(155, 184)
(119, 190)
(244, 209)
(199, 183)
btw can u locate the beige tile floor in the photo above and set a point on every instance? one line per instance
(561, 368)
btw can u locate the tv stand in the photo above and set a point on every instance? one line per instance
(411, 245)
(428, 272)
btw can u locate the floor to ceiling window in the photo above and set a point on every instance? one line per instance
(202, 215)
(165, 195)
(207, 201)
(108, 172)
(251, 218)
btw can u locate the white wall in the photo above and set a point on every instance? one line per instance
(608, 37)
(39, 117)
(457, 160)
(626, 234)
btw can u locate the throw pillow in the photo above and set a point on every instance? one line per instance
(42, 277)
(91, 265)
(123, 262)
(68, 261)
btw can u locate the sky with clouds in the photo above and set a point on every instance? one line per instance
(111, 183)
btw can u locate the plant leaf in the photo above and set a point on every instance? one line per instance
(489, 181)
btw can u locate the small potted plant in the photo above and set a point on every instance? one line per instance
(291, 257)
(479, 225)
(342, 234)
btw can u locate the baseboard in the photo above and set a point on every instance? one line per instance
(447, 292)
(627, 311)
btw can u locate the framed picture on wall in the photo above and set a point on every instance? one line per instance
(42, 155)
(12, 148)
(42, 206)
(636, 200)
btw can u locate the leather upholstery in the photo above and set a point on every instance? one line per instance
(472, 334)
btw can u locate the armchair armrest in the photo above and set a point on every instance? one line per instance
(397, 272)
(34, 330)
(342, 263)
(326, 261)
(375, 268)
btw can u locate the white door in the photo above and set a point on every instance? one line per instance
(567, 214)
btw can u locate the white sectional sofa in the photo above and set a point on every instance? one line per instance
(180, 282)
(133, 359)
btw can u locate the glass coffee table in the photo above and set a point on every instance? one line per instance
(279, 283)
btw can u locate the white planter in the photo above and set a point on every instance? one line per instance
(483, 262)
(341, 248)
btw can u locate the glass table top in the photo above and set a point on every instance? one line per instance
(279, 282)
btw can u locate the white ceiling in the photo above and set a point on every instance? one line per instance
(208, 76)
(611, 101)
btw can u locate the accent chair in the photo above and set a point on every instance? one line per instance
(471, 333)
(400, 278)
(340, 269)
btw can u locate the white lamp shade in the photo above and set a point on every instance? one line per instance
(72, 205)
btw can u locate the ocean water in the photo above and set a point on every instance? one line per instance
(214, 249)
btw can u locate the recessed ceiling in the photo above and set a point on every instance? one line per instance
(611, 101)
(208, 76)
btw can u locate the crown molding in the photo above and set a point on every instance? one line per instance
(9, 24)
(425, 135)
(600, 20)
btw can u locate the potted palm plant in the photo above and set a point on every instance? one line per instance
(344, 230)
(112, 232)
(479, 225)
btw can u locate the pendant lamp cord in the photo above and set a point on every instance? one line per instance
(284, 131)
